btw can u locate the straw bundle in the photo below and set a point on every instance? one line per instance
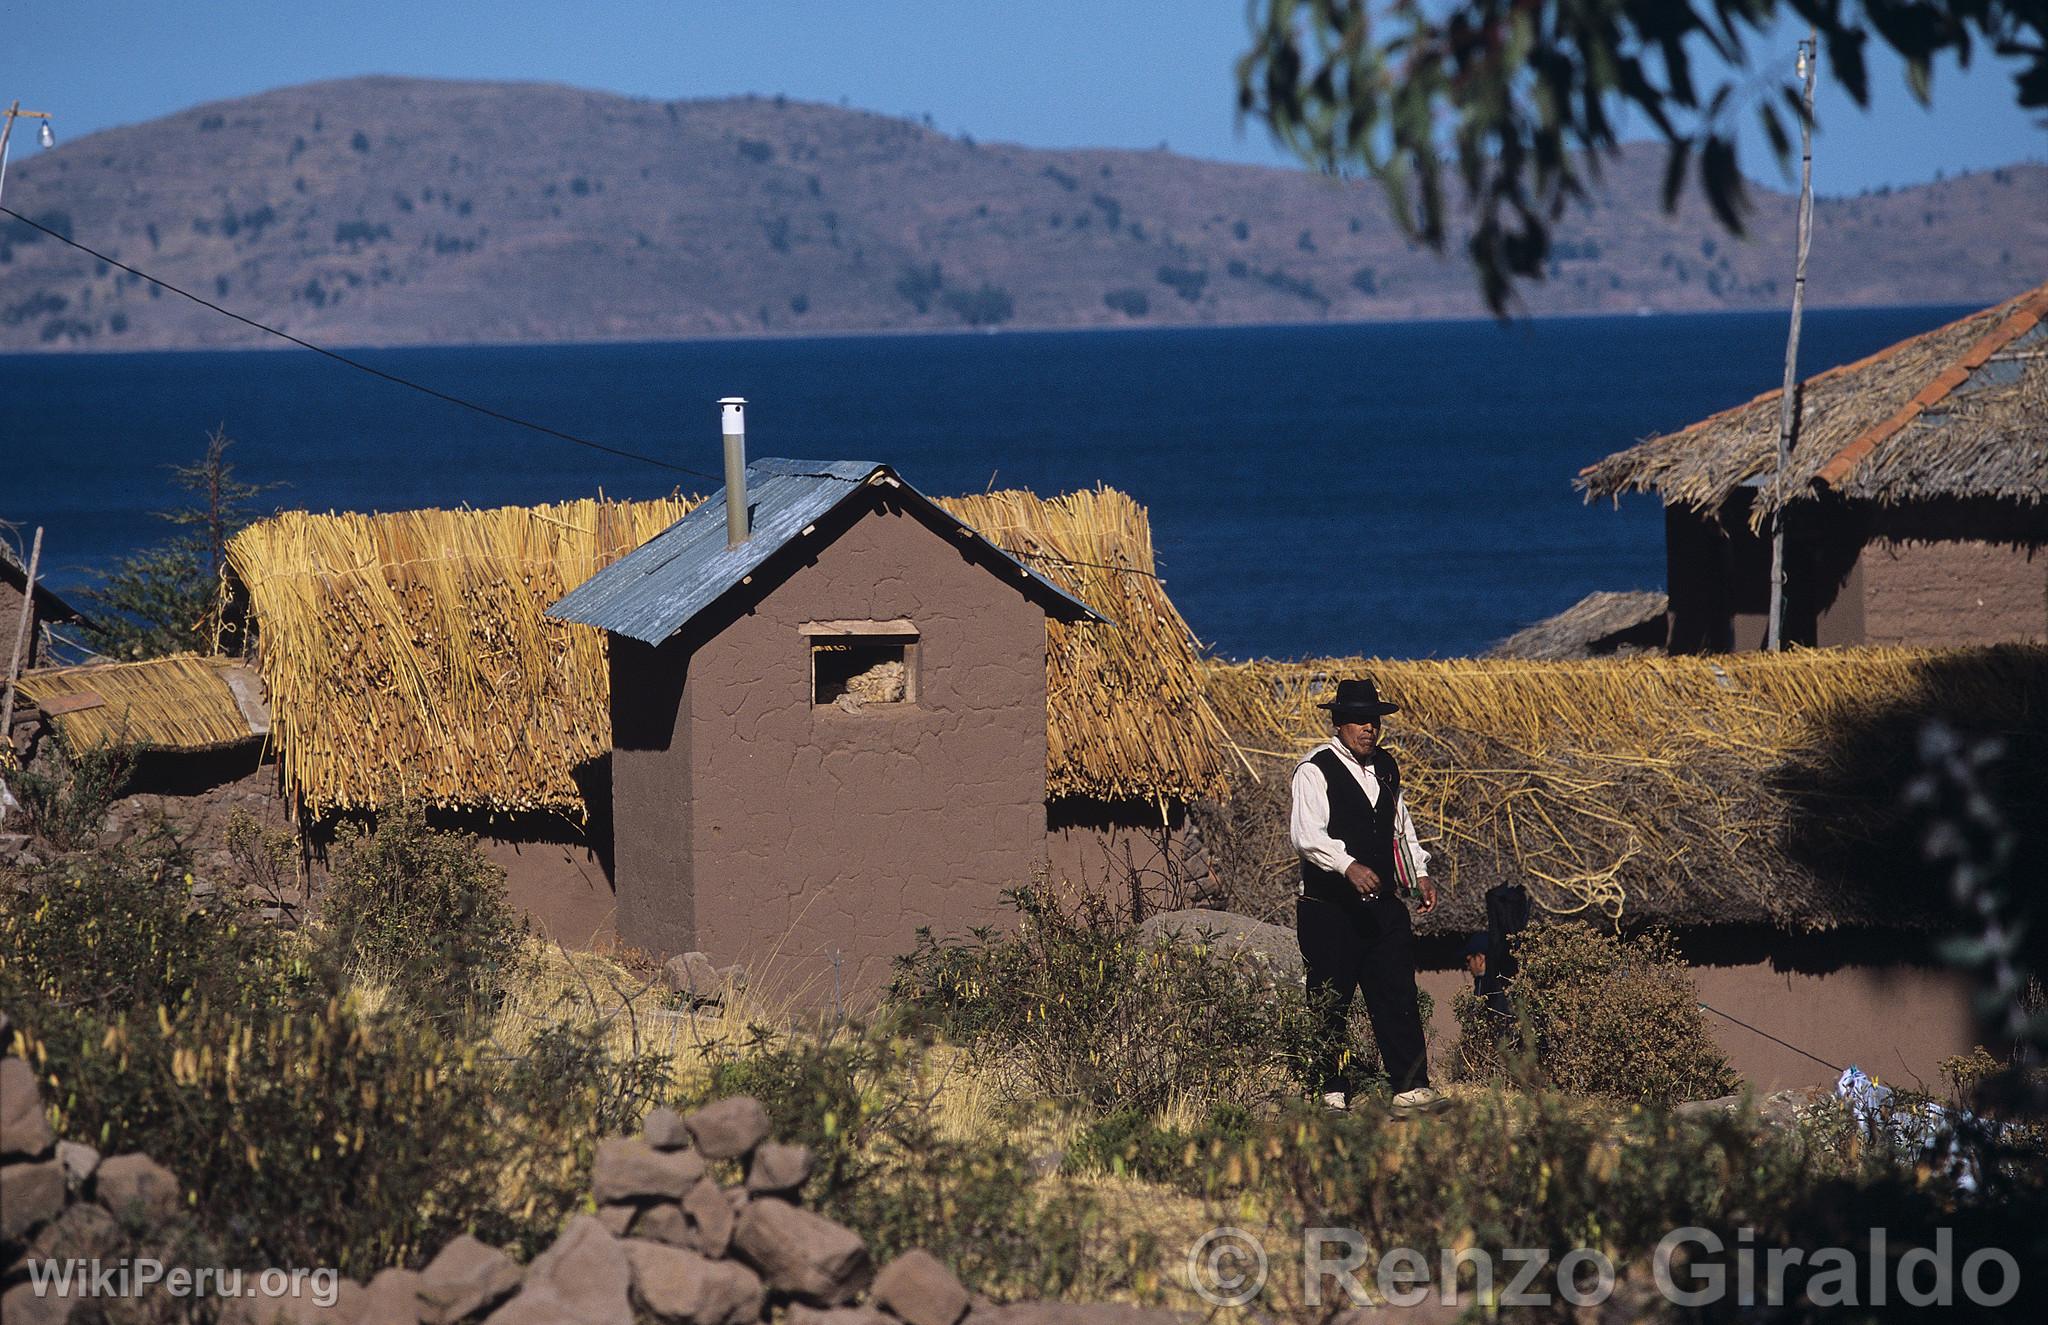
(1601, 622)
(1127, 715)
(407, 656)
(1956, 412)
(178, 703)
(1750, 788)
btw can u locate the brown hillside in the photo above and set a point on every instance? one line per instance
(405, 211)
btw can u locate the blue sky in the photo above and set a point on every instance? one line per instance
(1123, 73)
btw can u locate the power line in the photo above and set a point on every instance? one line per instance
(358, 364)
(1833, 1067)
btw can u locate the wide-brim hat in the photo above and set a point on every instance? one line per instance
(1358, 700)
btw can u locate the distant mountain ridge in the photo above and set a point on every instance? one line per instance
(386, 211)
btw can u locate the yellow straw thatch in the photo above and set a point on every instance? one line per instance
(1692, 789)
(177, 703)
(408, 655)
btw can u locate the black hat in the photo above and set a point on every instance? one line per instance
(1476, 945)
(1358, 701)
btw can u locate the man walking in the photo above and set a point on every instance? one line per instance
(1358, 849)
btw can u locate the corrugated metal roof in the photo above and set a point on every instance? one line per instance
(652, 592)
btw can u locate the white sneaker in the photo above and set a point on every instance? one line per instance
(1422, 1099)
(1335, 1099)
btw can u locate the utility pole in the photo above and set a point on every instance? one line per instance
(13, 113)
(1788, 401)
(21, 638)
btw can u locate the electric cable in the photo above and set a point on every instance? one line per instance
(358, 364)
(1833, 1067)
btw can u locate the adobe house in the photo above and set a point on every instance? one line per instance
(828, 723)
(1913, 501)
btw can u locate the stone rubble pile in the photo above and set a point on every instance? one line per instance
(667, 1243)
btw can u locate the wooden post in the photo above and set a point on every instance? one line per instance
(1788, 400)
(21, 629)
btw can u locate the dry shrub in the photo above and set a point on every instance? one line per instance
(1609, 1016)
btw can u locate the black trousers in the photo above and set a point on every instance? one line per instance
(1365, 948)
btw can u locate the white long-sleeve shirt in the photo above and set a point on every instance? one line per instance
(1309, 824)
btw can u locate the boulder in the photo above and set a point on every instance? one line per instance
(84, 1232)
(617, 1218)
(627, 1169)
(917, 1289)
(663, 1129)
(1272, 946)
(679, 1287)
(79, 1161)
(729, 1128)
(800, 1254)
(24, 1127)
(711, 1217)
(694, 977)
(393, 1298)
(136, 1187)
(777, 1169)
(466, 1278)
(303, 1307)
(799, 1314)
(22, 1305)
(31, 1195)
(584, 1277)
(666, 1222)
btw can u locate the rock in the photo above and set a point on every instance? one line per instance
(1273, 946)
(631, 1170)
(79, 1163)
(729, 1128)
(1079, 1313)
(917, 1289)
(303, 1307)
(693, 976)
(777, 1169)
(804, 1255)
(679, 1286)
(617, 1218)
(665, 1222)
(393, 1298)
(1707, 1108)
(467, 1277)
(136, 1187)
(84, 1232)
(799, 1314)
(31, 1195)
(22, 1305)
(583, 1277)
(711, 1215)
(24, 1127)
(663, 1129)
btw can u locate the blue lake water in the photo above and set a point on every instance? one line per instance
(1402, 490)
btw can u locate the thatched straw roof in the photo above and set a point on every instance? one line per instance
(407, 655)
(183, 702)
(1753, 788)
(1960, 412)
(1599, 623)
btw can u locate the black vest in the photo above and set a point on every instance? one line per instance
(1365, 829)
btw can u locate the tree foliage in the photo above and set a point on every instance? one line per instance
(169, 598)
(1520, 97)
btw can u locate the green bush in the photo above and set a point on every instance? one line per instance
(1610, 1016)
(307, 1131)
(67, 808)
(1137, 1145)
(1075, 1008)
(425, 910)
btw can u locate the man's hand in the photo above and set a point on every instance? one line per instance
(1363, 878)
(1428, 896)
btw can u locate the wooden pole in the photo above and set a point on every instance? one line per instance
(1788, 400)
(21, 629)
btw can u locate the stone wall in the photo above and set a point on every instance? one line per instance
(669, 1242)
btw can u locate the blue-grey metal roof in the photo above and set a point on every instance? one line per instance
(654, 591)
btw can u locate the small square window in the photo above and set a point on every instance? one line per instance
(859, 665)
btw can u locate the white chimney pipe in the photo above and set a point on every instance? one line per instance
(733, 421)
